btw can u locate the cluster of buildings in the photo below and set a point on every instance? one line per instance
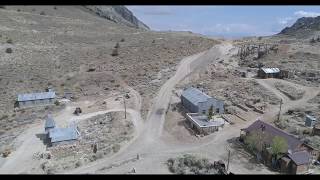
(295, 160)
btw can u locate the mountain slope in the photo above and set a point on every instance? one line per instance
(119, 14)
(303, 27)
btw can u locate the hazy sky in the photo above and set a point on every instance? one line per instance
(226, 21)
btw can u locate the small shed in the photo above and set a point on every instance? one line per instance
(300, 162)
(310, 121)
(316, 129)
(269, 73)
(49, 123)
(68, 95)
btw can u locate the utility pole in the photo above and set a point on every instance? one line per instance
(125, 108)
(280, 110)
(228, 159)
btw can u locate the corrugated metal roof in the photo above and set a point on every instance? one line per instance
(49, 122)
(301, 157)
(36, 96)
(195, 95)
(271, 70)
(311, 117)
(63, 134)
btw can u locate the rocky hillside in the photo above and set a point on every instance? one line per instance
(303, 26)
(119, 14)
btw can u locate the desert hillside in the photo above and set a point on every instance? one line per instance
(71, 49)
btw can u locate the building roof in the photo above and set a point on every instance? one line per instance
(202, 120)
(311, 117)
(63, 134)
(292, 141)
(49, 122)
(300, 158)
(194, 95)
(36, 96)
(270, 70)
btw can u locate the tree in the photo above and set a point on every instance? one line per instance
(210, 113)
(279, 145)
(252, 140)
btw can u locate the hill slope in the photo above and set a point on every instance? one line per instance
(304, 26)
(71, 49)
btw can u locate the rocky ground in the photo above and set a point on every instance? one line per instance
(100, 136)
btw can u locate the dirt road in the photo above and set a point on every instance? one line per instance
(150, 144)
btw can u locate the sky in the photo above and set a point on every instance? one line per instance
(223, 21)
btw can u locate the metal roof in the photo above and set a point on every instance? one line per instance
(49, 122)
(202, 120)
(63, 134)
(36, 96)
(195, 95)
(311, 117)
(301, 157)
(271, 70)
(293, 142)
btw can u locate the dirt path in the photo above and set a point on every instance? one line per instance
(21, 160)
(310, 92)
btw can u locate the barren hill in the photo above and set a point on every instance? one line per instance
(70, 48)
(303, 27)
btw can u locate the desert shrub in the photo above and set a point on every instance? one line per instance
(42, 13)
(306, 131)
(9, 50)
(55, 8)
(6, 153)
(2, 7)
(18, 10)
(190, 164)
(312, 40)
(4, 117)
(153, 41)
(122, 40)
(78, 163)
(117, 46)
(116, 148)
(112, 80)
(9, 41)
(115, 52)
(57, 103)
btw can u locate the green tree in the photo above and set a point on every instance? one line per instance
(252, 140)
(279, 145)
